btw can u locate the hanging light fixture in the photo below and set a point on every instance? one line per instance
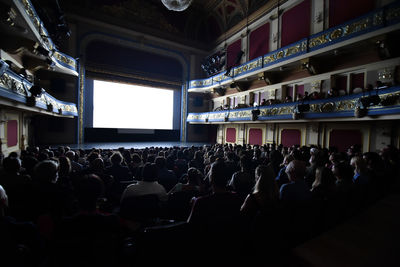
(177, 5)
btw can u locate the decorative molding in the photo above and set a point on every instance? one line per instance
(15, 88)
(322, 108)
(370, 22)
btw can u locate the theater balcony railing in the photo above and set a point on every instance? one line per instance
(24, 16)
(14, 91)
(375, 23)
(365, 105)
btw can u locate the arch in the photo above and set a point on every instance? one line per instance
(89, 37)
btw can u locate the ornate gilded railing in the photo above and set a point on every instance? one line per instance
(16, 88)
(61, 60)
(385, 101)
(378, 19)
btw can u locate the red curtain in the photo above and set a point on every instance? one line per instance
(232, 52)
(255, 136)
(289, 91)
(343, 139)
(296, 23)
(290, 137)
(357, 80)
(12, 133)
(259, 41)
(231, 135)
(300, 89)
(341, 11)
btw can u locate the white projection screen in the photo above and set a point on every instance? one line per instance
(119, 105)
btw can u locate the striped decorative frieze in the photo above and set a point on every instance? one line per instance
(16, 88)
(389, 103)
(201, 83)
(65, 60)
(286, 52)
(248, 67)
(355, 27)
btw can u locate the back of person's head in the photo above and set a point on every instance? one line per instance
(160, 162)
(92, 156)
(12, 164)
(65, 165)
(296, 170)
(116, 158)
(70, 154)
(245, 163)
(136, 159)
(219, 176)
(89, 189)
(342, 171)
(29, 163)
(97, 165)
(287, 159)
(359, 164)
(323, 177)
(151, 158)
(46, 171)
(265, 182)
(193, 176)
(149, 172)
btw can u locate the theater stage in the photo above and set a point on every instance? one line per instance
(138, 145)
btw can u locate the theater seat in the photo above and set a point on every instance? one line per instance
(140, 208)
(179, 204)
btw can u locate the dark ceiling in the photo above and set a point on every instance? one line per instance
(202, 23)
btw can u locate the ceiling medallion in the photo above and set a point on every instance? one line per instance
(177, 5)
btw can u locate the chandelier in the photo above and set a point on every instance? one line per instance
(177, 5)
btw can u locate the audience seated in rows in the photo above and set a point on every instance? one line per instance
(225, 196)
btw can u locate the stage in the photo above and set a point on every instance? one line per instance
(138, 145)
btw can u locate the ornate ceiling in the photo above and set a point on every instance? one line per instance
(203, 22)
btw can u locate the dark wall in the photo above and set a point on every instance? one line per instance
(112, 135)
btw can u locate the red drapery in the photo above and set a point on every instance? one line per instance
(357, 80)
(231, 135)
(255, 136)
(341, 11)
(296, 23)
(232, 52)
(343, 139)
(290, 137)
(259, 41)
(12, 133)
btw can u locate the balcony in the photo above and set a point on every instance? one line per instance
(15, 90)
(365, 105)
(373, 24)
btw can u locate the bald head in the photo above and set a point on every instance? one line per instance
(296, 170)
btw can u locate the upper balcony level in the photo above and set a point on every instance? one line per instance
(377, 23)
(17, 92)
(366, 105)
(26, 40)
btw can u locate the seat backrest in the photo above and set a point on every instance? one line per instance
(179, 204)
(140, 208)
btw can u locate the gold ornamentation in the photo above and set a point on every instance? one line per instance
(336, 34)
(11, 83)
(66, 60)
(30, 11)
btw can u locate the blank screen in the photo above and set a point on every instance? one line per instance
(118, 105)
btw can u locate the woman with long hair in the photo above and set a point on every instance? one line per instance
(265, 194)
